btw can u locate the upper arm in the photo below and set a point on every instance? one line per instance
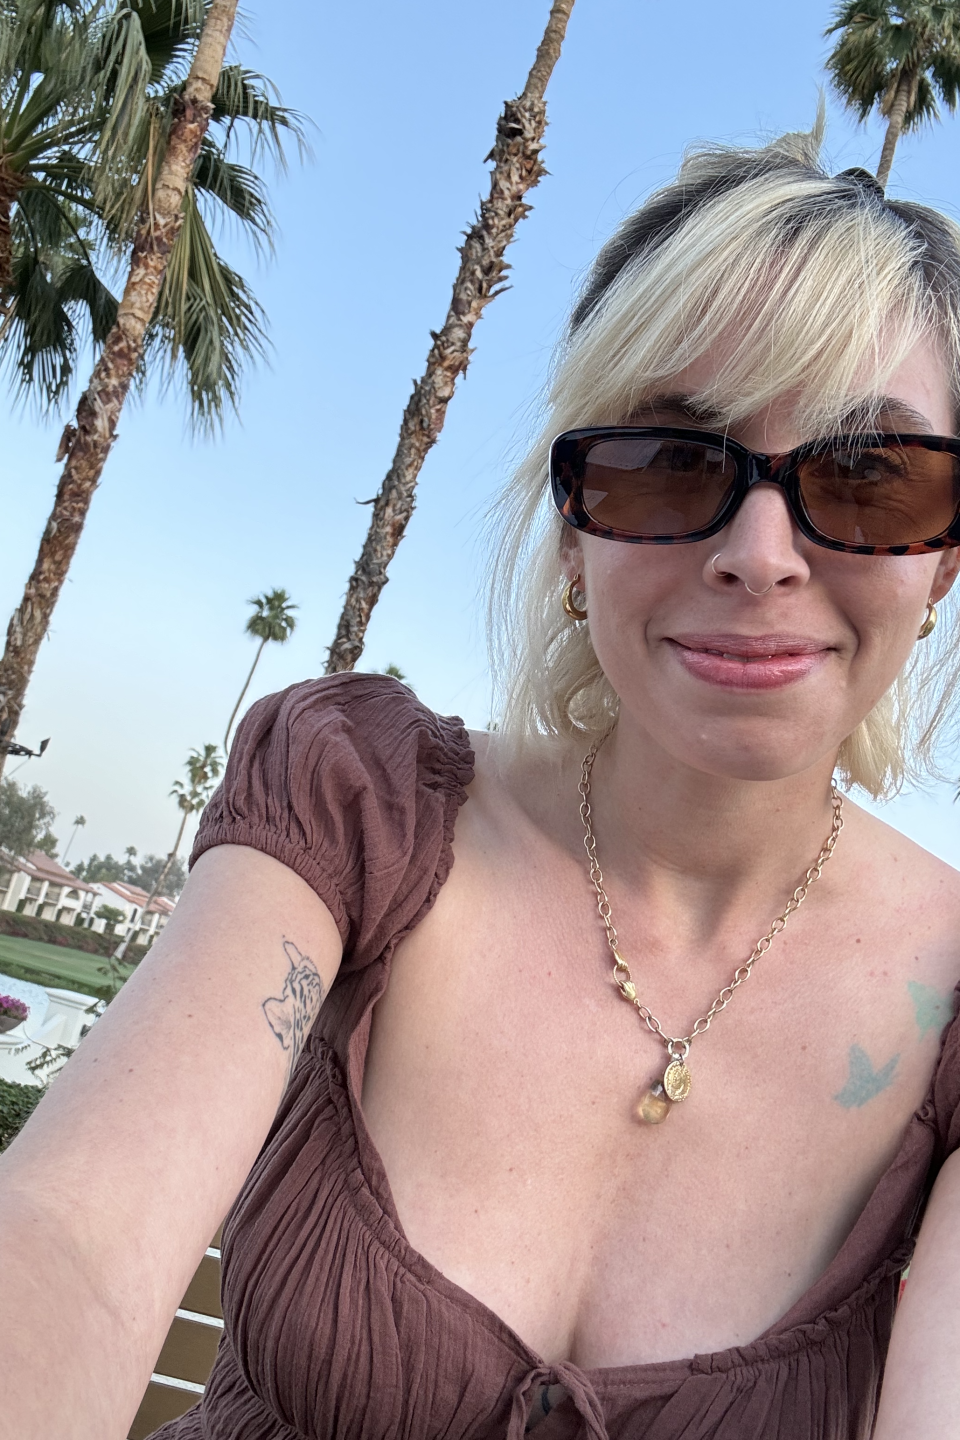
(921, 1384)
(147, 1135)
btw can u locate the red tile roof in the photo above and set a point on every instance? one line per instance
(41, 867)
(135, 896)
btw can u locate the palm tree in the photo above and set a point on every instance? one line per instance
(203, 769)
(78, 822)
(516, 169)
(272, 619)
(899, 57)
(118, 123)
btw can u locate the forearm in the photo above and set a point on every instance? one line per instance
(74, 1370)
(921, 1386)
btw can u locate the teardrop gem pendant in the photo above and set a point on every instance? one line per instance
(655, 1104)
(653, 1107)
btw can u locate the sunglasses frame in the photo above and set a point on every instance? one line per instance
(569, 451)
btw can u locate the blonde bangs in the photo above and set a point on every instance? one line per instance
(841, 287)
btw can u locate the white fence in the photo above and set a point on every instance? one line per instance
(57, 1017)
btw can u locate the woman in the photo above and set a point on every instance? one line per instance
(514, 1168)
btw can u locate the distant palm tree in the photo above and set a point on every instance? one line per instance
(898, 55)
(272, 620)
(203, 770)
(78, 822)
(118, 122)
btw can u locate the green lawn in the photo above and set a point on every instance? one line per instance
(51, 965)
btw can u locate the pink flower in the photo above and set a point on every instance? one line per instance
(10, 1005)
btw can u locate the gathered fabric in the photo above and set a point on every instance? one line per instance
(335, 1327)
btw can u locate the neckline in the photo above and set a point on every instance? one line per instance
(786, 1333)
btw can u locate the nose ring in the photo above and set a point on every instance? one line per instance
(719, 573)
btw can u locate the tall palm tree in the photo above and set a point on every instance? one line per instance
(516, 169)
(78, 822)
(203, 769)
(272, 619)
(898, 55)
(118, 126)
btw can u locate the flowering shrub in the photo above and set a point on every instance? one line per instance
(10, 1005)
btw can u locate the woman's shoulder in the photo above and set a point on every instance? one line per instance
(909, 893)
(355, 731)
(895, 856)
(352, 782)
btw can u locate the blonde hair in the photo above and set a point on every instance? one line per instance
(841, 284)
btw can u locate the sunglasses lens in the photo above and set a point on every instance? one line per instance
(888, 495)
(655, 487)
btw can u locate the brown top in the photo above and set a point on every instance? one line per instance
(335, 1328)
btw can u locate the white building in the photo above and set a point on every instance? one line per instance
(40, 886)
(131, 900)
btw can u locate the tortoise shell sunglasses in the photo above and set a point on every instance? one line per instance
(866, 494)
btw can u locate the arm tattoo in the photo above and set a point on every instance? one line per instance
(291, 1014)
(933, 1009)
(864, 1082)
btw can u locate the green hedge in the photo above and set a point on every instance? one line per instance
(72, 937)
(17, 1103)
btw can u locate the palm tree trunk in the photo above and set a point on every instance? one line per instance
(895, 118)
(86, 444)
(226, 735)
(121, 949)
(516, 169)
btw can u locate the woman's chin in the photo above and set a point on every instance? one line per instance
(762, 758)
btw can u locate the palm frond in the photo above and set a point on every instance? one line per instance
(50, 225)
(30, 32)
(170, 29)
(945, 74)
(124, 72)
(246, 95)
(40, 343)
(234, 187)
(59, 301)
(80, 285)
(207, 324)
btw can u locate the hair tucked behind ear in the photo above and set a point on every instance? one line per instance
(819, 286)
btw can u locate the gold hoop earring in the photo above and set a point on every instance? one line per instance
(567, 601)
(929, 624)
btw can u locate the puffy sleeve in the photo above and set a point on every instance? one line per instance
(354, 784)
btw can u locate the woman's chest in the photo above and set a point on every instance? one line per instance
(501, 1088)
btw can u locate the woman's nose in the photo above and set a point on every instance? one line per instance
(759, 548)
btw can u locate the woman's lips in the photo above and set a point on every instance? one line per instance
(748, 662)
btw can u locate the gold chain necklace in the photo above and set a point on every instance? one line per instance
(656, 1102)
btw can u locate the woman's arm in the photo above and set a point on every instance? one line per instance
(921, 1384)
(114, 1188)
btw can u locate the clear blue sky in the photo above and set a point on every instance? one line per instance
(147, 651)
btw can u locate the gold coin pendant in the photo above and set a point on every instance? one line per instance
(676, 1081)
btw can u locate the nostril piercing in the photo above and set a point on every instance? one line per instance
(721, 573)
